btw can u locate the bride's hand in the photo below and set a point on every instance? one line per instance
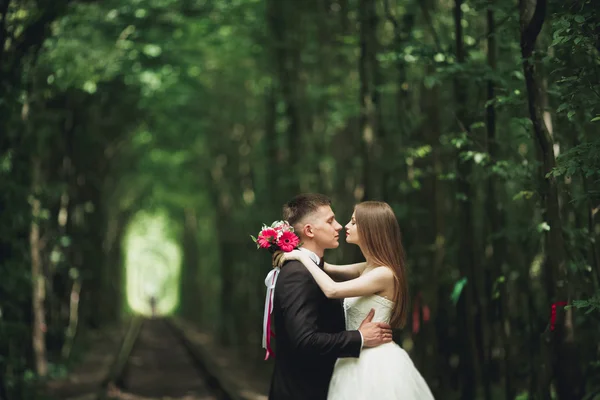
(292, 255)
(277, 259)
(280, 257)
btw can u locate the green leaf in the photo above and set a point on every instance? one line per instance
(523, 194)
(65, 241)
(543, 227)
(458, 288)
(496, 293)
(597, 118)
(461, 197)
(580, 19)
(73, 273)
(152, 50)
(581, 303)
(90, 87)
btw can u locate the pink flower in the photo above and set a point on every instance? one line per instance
(288, 241)
(266, 237)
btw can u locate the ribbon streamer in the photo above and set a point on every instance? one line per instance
(553, 313)
(270, 281)
(417, 308)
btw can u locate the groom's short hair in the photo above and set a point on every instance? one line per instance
(295, 210)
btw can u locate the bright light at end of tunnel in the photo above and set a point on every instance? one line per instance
(153, 264)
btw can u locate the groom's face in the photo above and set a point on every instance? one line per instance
(324, 229)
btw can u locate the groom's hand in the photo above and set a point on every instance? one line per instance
(374, 333)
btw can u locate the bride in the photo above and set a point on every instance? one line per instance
(384, 372)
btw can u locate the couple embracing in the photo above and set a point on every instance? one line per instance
(333, 323)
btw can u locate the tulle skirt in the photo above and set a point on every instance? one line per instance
(380, 373)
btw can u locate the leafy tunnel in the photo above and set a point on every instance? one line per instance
(142, 142)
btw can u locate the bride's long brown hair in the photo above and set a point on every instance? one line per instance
(381, 241)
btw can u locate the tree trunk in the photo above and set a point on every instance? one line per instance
(60, 281)
(496, 245)
(3, 395)
(273, 155)
(472, 337)
(432, 341)
(37, 276)
(284, 59)
(3, 11)
(228, 316)
(558, 346)
(191, 259)
(389, 143)
(594, 254)
(369, 129)
(73, 318)
(429, 21)
(434, 197)
(344, 20)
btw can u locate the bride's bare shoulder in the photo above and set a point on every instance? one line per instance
(381, 271)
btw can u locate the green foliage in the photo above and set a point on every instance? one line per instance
(458, 289)
(581, 159)
(590, 305)
(216, 112)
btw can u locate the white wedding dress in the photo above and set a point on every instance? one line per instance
(385, 372)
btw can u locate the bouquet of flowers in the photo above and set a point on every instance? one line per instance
(279, 236)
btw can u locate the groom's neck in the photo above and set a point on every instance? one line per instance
(319, 251)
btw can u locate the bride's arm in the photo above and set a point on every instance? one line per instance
(371, 283)
(345, 272)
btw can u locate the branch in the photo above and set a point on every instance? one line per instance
(592, 88)
(33, 37)
(537, 21)
(487, 35)
(532, 28)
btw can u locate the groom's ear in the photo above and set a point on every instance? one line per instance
(308, 230)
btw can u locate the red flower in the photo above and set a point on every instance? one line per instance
(266, 238)
(288, 241)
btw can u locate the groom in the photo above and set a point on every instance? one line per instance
(309, 328)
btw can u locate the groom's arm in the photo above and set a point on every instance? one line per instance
(299, 300)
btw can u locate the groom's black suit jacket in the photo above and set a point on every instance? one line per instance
(310, 336)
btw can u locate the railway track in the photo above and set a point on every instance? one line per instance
(155, 361)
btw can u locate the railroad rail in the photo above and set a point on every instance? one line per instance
(156, 361)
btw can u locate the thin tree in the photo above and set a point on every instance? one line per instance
(559, 355)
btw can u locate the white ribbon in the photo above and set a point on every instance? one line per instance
(270, 281)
